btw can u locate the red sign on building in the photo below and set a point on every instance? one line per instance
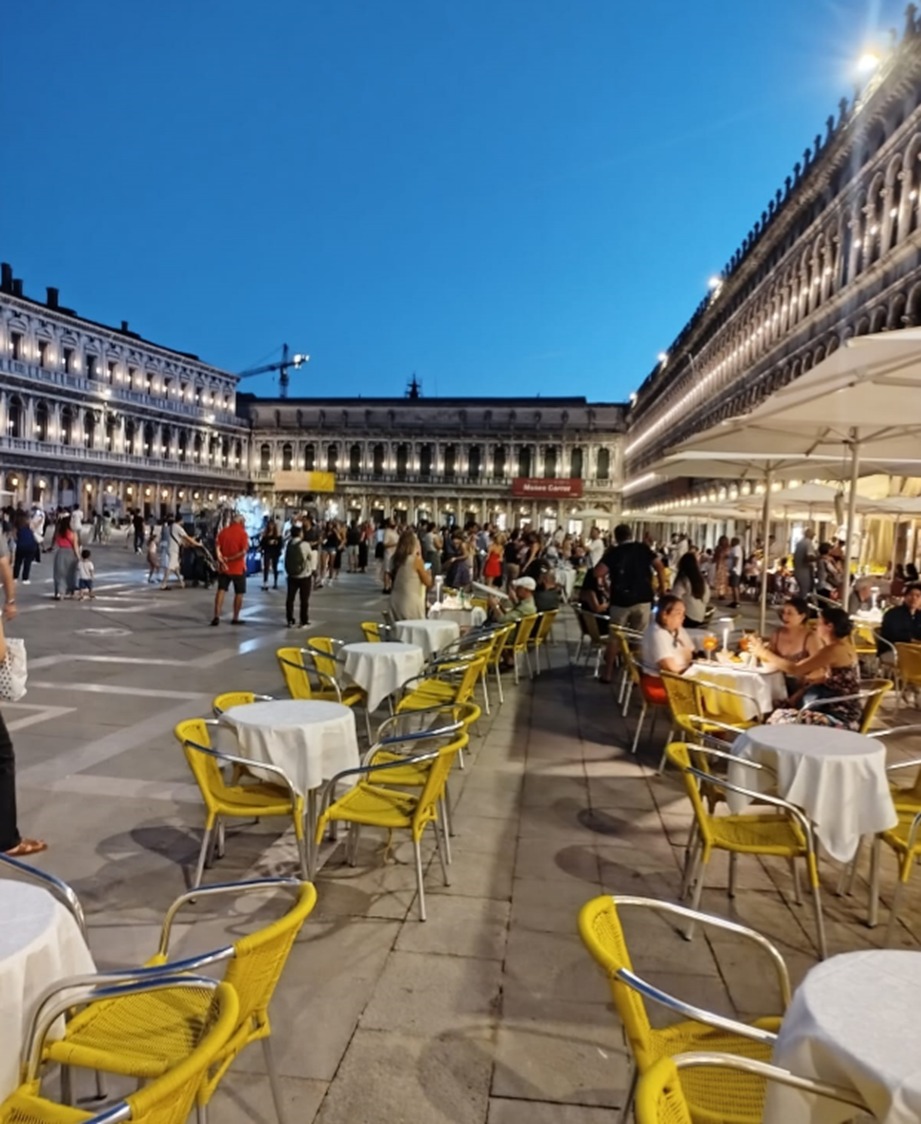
(539, 488)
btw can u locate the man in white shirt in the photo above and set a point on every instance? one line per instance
(595, 547)
(76, 523)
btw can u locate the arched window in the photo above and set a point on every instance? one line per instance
(310, 458)
(332, 458)
(131, 437)
(550, 462)
(524, 461)
(225, 452)
(110, 432)
(355, 460)
(402, 460)
(287, 457)
(378, 460)
(575, 463)
(67, 426)
(425, 461)
(41, 421)
(498, 462)
(604, 465)
(166, 442)
(265, 455)
(474, 462)
(238, 453)
(16, 417)
(89, 429)
(450, 462)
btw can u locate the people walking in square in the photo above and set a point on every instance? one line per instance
(27, 549)
(231, 546)
(153, 557)
(176, 539)
(270, 545)
(300, 563)
(85, 575)
(66, 555)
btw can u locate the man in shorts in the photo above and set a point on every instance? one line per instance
(231, 547)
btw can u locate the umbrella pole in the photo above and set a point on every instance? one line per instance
(765, 536)
(851, 519)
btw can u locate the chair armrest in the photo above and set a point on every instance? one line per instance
(236, 759)
(689, 1011)
(771, 1073)
(64, 893)
(858, 697)
(732, 758)
(714, 922)
(218, 889)
(309, 650)
(762, 797)
(913, 728)
(703, 720)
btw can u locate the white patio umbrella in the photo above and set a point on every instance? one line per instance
(855, 410)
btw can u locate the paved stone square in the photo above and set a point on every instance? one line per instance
(491, 1012)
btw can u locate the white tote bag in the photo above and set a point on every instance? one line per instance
(13, 671)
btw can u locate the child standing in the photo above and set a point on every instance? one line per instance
(153, 558)
(85, 572)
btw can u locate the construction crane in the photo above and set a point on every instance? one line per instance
(287, 360)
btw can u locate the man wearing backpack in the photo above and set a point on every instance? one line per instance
(625, 573)
(300, 563)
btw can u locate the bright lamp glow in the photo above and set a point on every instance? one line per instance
(868, 62)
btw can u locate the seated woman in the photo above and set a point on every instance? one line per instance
(837, 660)
(690, 586)
(665, 647)
(794, 640)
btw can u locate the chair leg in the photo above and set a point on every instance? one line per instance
(852, 875)
(794, 874)
(274, 1084)
(515, 664)
(894, 911)
(67, 1090)
(873, 894)
(419, 886)
(819, 920)
(219, 846)
(442, 822)
(686, 865)
(733, 861)
(639, 727)
(306, 873)
(485, 686)
(202, 855)
(630, 1097)
(441, 853)
(351, 844)
(695, 901)
(499, 684)
(627, 698)
(100, 1086)
(664, 757)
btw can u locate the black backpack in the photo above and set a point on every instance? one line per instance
(295, 562)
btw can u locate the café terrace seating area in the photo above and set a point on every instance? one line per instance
(449, 875)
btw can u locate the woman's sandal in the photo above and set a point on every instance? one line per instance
(27, 847)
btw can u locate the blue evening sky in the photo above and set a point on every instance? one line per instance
(504, 196)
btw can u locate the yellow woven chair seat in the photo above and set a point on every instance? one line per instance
(718, 1096)
(763, 835)
(254, 799)
(373, 805)
(420, 700)
(21, 1108)
(138, 1035)
(410, 776)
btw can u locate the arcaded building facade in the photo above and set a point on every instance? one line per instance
(98, 416)
(539, 461)
(835, 253)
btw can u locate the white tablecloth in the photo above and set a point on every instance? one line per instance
(381, 669)
(431, 635)
(872, 618)
(465, 618)
(310, 740)
(852, 1023)
(837, 777)
(762, 687)
(40, 943)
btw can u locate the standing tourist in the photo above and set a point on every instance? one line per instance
(804, 557)
(410, 579)
(85, 574)
(721, 568)
(11, 842)
(27, 549)
(153, 557)
(176, 539)
(231, 546)
(389, 540)
(76, 522)
(300, 563)
(627, 568)
(691, 586)
(66, 555)
(734, 562)
(352, 543)
(137, 523)
(270, 545)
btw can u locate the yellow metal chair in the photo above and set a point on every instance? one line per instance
(592, 638)
(785, 834)
(479, 644)
(370, 804)
(662, 1098)
(494, 659)
(229, 699)
(225, 800)
(540, 637)
(713, 1100)
(516, 644)
(453, 682)
(905, 840)
(166, 1100)
(686, 705)
(96, 1038)
(908, 657)
(303, 678)
(371, 630)
(871, 694)
(630, 677)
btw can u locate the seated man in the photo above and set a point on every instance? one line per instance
(547, 596)
(521, 596)
(902, 623)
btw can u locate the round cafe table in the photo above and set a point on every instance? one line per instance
(837, 777)
(40, 943)
(381, 669)
(852, 1023)
(759, 685)
(465, 618)
(429, 635)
